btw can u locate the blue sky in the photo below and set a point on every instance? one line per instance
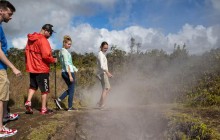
(161, 14)
(156, 24)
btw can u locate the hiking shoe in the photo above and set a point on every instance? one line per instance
(101, 107)
(6, 132)
(27, 105)
(98, 104)
(46, 111)
(57, 103)
(72, 109)
(10, 117)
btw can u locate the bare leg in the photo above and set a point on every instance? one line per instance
(1, 114)
(30, 94)
(27, 104)
(103, 97)
(5, 109)
(44, 100)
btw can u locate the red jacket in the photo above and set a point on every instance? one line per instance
(38, 54)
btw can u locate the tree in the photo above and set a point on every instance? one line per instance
(132, 45)
(116, 58)
(179, 52)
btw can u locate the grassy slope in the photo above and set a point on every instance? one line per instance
(194, 123)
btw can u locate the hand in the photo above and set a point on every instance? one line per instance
(16, 72)
(55, 60)
(71, 79)
(109, 75)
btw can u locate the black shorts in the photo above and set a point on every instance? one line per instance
(40, 80)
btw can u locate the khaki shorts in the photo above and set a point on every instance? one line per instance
(4, 86)
(105, 81)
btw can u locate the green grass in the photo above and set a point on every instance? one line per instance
(197, 123)
(46, 129)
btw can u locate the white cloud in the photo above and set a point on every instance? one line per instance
(197, 39)
(19, 42)
(29, 18)
(216, 4)
(31, 15)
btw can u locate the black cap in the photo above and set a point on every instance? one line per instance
(48, 27)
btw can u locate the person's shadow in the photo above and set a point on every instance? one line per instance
(10, 104)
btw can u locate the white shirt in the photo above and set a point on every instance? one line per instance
(102, 63)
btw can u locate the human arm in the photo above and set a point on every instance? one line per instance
(75, 69)
(103, 64)
(5, 60)
(70, 75)
(46, 51)
(67, 62)
(109, 74)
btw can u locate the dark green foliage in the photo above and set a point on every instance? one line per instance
(88, 60)
(86, 78)
(87, 65)
(116, 59)
(183, 127)
(179, 73)
(169, 77)
(207, 92)
(179, 53)
(17, 57)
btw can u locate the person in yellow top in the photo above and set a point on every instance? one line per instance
(68, 76)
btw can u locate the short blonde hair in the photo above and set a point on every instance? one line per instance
(66, 38)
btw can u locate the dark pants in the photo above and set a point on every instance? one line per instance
(70, 90)
(40, 80)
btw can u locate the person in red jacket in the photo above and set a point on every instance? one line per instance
(39, 56)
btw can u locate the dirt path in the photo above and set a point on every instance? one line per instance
(125, 123)
(36, 126)
(130, 123)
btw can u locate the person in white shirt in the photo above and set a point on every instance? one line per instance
(103, 73)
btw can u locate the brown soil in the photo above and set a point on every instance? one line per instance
(29, 123)
(127, 123)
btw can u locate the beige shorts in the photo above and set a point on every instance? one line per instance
(105, 81)
(4, 86)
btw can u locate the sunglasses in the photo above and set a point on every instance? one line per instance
(50, 32)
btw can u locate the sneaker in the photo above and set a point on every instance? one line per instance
(27, 105)
(10, 117)
(72, 109)
(98, 104)
(101, 107)
(46, 111)
(57, 103)
(6, 132)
